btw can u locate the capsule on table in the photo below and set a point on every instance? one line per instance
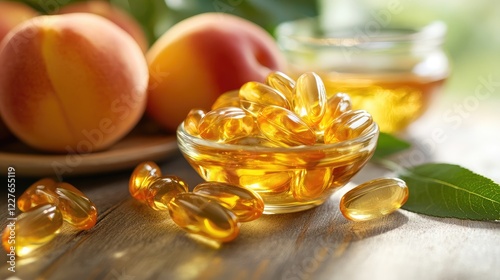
(246, 204)
(32, 229)
(163, 189)
(254, 96)
(192, 121)
(336, 105)
(140, 178)
(227, 99)
(76, 208)
(309, 99)
(285, 128)
(374, 199)
(282, 83)
(225, 124)
(203, 216)
(348, 126)
(40, 192)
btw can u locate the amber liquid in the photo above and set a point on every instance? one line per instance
(287, 180)
(394, 100)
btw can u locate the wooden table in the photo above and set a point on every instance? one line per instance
(130, 241)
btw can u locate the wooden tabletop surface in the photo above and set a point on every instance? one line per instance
(131, 241)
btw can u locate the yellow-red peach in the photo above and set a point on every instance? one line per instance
(112, 13)
(12, 14)
(202, 57)
(71, 83)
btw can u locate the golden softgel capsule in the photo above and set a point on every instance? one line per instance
(255, 96)
(227, 99)
(374, 199)
(246, 204)
(141, 177)
(282, 83)
(193, 120)
(163, 189)
(347, 126)
(285, 128)
(309, 99)
(32, 229)
(76, 208)
(203, 216)
(226, 124)
(336, 105)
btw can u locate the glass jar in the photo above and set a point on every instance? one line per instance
(391, 72)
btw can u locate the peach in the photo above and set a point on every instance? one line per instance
(202, 57)
(71, 83)
(112, 13)
(12, 14)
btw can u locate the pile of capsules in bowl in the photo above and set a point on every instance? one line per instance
(286, 139)
(280, 113)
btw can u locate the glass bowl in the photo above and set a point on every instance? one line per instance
(391, 71)
(288, 179)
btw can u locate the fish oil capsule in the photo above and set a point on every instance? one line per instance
(246, 204)
(227, 99)
(374, 199)
(41, 192)
(76, 209)
(336, 105)
(309, 99)
(32, 229)
(225, 124)
(162, 189)
(203, 216)
(192, 121)
(141, 176)
(34, 194)
(253, 141)
(254, 96)
(311, 183)
(348, 126)
(283, 127)
(265, 182)
(282, 83)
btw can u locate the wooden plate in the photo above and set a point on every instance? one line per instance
(138, 146)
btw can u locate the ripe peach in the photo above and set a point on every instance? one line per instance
(202, 57)
(12, 14)
(71, 83)
(112, 13)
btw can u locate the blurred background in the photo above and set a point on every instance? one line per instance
(472, 43)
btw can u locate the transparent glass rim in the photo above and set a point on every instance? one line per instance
(365, 137)
(433, 32)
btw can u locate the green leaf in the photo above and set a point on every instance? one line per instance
(265, 13)
(388, 144)
(446, 190)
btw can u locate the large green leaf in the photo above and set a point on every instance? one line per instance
(446, 190)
